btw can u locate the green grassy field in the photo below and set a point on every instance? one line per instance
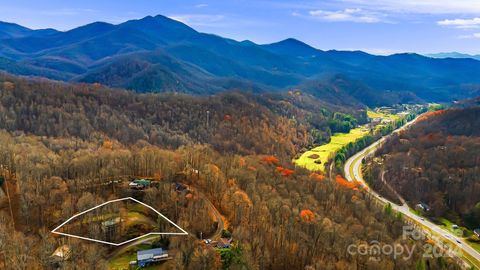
(378, 114)
(461, 231)
(325, 151)
(309, 161)
(383, 116)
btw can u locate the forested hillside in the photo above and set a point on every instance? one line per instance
(300, 220)
(158, 54)
(234, 122)
(65, 148)
(436, 162)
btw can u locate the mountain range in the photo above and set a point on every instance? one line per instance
(158, 54)
(453, 55)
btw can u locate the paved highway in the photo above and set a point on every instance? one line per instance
(353, 172)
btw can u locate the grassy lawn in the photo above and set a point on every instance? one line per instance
(138, 218)
(447, 225)
(325, 151)
(136, 207)
(121, 262)
(379, 114)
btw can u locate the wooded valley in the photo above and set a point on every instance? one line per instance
(60, 143)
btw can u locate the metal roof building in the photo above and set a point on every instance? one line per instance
(145, 257)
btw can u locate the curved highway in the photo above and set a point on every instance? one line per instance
(353, 172)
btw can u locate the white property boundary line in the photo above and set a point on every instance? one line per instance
(128, 241)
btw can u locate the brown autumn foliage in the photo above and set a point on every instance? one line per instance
(317, 176)
(436, 162)
(232, 122)
(55, 152)
(261, 201)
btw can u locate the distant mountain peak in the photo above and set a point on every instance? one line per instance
(89, 30)
(95, 26)
(291, 42)
(150, 23)
(292, 47)
(248, 42)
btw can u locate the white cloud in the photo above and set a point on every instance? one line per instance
(218, 20)
(201, 5)
(461, 23)
(471, 36)
(421, 6)
(374, 51)
(200, 19)
(346, 15)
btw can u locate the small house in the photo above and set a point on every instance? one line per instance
(224, 243)
(386, 121)
(62, 253)
(139, 184)
(111, 222)
(146, 257)
(422, 207)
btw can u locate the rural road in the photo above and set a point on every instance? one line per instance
(353, 172)
(216, 213)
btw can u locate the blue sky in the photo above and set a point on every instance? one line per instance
(376, 26)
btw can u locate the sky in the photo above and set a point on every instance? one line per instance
(375, 26)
